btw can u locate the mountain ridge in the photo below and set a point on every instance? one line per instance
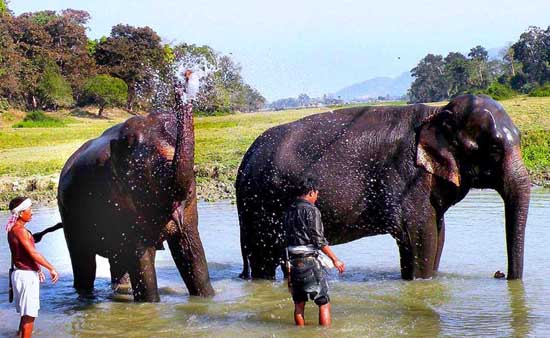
(393, 87)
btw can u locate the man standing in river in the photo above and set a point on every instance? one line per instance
(305, 238)
(25, 275)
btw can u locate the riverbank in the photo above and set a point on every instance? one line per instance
(31, 158)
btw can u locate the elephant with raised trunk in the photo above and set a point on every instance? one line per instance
(384, 170)
(122, 194)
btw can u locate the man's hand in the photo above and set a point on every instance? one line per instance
(54, 276)
(41, 276)
(339, 265)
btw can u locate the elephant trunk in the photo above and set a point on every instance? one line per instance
(184, 152)
(186, 249)
(515, 192)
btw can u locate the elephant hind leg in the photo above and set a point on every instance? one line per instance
(143, 276)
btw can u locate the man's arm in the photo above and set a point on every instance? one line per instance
(338, 264)
(23, 237)
(321, 242)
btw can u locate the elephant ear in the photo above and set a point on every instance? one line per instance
(433, 151)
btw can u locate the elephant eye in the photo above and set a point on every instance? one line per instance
(495, 148)
(495, 152)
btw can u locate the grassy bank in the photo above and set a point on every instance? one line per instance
(31, 158)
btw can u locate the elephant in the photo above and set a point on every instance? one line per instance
(121, 194)
(383, 170)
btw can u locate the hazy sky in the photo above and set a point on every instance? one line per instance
(304, 46)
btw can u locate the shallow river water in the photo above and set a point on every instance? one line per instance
(369, 300)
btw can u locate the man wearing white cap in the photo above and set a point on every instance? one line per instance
(26, 260)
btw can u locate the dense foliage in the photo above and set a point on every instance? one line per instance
(522, 67)
(47, 62)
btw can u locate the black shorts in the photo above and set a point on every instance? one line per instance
(308, 280)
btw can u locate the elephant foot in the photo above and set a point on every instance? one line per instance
(122, 285)
(84, 294)
(146, 297)
(245, 276)
(269, 275)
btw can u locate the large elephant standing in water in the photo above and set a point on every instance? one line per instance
(121, 194)
(384, 170)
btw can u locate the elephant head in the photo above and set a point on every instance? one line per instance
(472, 143)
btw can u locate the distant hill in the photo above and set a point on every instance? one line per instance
(378, 86)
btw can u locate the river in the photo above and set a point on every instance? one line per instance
(369, 300)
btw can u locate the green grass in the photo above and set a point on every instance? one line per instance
(221, 141)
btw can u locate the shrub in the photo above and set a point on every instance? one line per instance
(106, 91)
(541, 91)
(37, 119)
(498, 91)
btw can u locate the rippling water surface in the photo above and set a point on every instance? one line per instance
(369, 300)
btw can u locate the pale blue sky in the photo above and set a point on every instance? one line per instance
(288, 47)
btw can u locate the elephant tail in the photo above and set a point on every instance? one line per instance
(38, 236)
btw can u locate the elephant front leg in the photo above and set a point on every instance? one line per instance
(186, 248)
(418, 249)
(440, 241)
(143, 276)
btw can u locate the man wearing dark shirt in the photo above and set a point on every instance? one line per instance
(305, 238)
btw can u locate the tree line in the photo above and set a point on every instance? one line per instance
(521, 68)
(48, 62)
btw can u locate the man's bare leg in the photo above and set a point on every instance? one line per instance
(299, 313)
(26, 326)
(324, 315)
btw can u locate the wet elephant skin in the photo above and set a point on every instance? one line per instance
(384, 170)
(119, 198)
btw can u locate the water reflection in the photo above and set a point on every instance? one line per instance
(520, 313)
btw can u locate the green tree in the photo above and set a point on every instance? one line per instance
(106, 91)
(254, 100)
(134, 54)
(429, 84)
(479, 77)
(53, 90)
(456, 72)
(533, 51)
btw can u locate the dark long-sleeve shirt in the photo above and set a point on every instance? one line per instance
(303, 225)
